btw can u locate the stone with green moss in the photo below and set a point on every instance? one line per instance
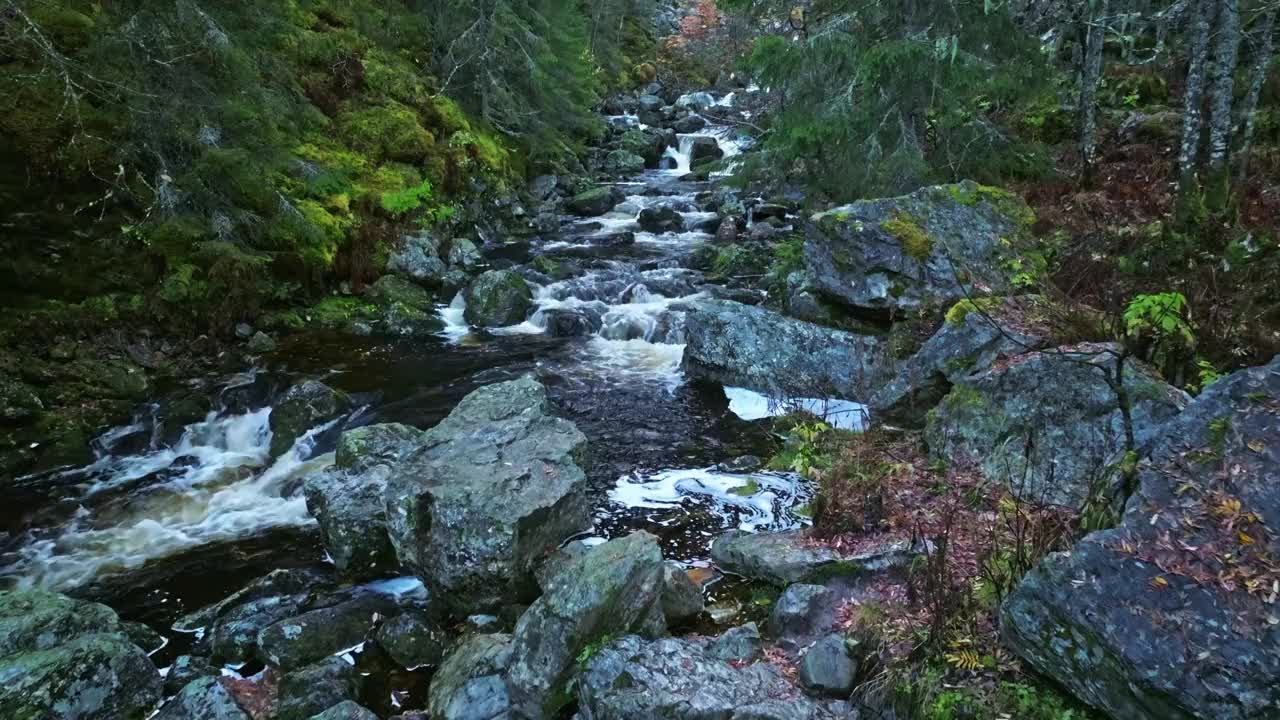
(498, 297)
(65, 658)
(922, 251)
(1047, 424)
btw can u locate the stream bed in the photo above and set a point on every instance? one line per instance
(173, 516)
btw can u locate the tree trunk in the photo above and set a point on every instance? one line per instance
(1226, 54)
(1257, 77)
(1189, 150)
(1089, 80)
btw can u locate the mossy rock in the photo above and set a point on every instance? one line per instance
(498, 297)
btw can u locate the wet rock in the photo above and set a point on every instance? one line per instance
(742, 345)
(206, 698)
(315, 688)
(64, 659)
(1047, 424)
(351, 511)
(789, 557)
(497, 298)
(651, 103)
(647, 144)
(184, 670)
(974, 336)
(244, 330)
(232, 624)
(317, 633)
(738, 644)
(613, 239)
(704, 148)
(660, 220)
(696, 101)
(348, 500)
(261, 343)
(827, 668)
(413, 640)
(801, 611)
(622, 162)
(385, 443)
(463, 255)
(727, 231)
(346, 710)
(565, 322)
(492, 487)
(303, 407)
(401, 307)
(1107, 623)
(612, 589)
(470, 685)
(631, 679)
(594, 202)
(418, 258)
(681, 597)
(689, 124)
(769, 211)
(928, 249)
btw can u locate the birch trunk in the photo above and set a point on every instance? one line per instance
(1189, 150)
(1089, 80)
(1226, 54)
(1257, 77)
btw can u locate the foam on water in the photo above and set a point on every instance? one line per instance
(840, 414)
(229, 491)
(763, 501)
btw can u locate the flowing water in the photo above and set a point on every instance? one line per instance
(167, 519)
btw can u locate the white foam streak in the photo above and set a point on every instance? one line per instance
(839, 414)
(760, 501)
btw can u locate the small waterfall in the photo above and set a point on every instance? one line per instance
(216, 484)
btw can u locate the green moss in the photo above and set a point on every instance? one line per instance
(339, 312)
(751, 487)
(906, 229)
(958, 312)
(387, 132)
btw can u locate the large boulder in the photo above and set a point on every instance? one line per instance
(471, 684)
(685, 678)
(660, 220)
(1171, 615)
(704, 148)
(596, 201)
(928, 249)
(418, 257)
(648, 144)
(498, 297)
(744, 345)
(65, 659)
(975, 334)
(623, 162)
(607, 591)
(401, 307)
(1048, 425)
(487, 494)
(347, 500)
(303, 407)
